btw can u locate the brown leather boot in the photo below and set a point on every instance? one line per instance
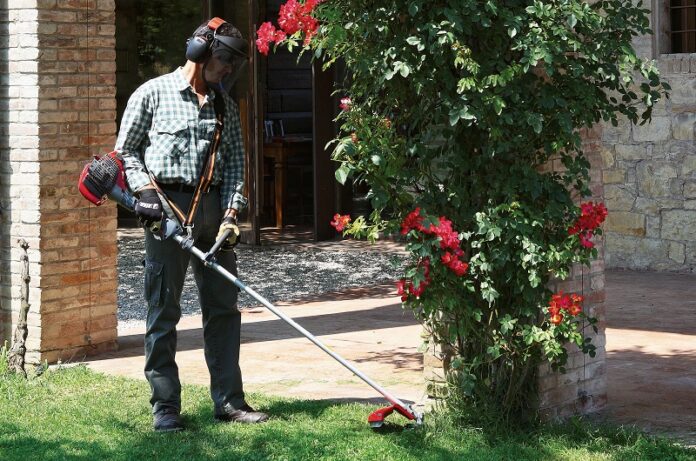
(244, 414)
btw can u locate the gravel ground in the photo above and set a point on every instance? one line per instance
(279, 273)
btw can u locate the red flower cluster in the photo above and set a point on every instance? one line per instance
(452, 261)
(450, 257)
(266, 34)
(293, 17)
(413, 220)
(591, 217)
(340, 221)
(571, 304)
(449, 238)
(403, 285)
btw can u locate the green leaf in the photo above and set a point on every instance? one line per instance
(572, 21)
(413, 40)
(342, 173)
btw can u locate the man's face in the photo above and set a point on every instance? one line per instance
(216, 70)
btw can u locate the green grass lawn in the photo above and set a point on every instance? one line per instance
(77, 414)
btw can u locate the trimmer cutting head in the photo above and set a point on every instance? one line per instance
(376, 418)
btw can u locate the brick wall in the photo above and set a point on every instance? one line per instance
(61, 96)
(19, 154)
(650, 174)
(582, 389)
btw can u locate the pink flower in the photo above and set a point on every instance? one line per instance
(266, 33)
(294, 17)
(345, 104)
(340, 222)
(287, 19)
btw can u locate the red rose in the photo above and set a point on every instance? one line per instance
(556, 319)
(401, 287)
(340, 222)
(266, 34)
(345, 104)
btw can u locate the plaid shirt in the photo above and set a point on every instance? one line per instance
(166, 133)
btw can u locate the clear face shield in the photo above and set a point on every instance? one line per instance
(228, 62)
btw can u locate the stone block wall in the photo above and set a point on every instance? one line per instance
(59, 92)
(650, 174)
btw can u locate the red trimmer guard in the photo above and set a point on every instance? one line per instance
(376, 418)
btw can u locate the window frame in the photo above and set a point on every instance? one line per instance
(661, 19)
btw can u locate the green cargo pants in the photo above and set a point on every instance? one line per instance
(165, 268)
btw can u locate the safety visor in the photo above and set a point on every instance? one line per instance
(232, 51)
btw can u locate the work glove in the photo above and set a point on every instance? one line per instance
(148, 208)
(232, 240)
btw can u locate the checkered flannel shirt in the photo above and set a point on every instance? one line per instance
(164, 132)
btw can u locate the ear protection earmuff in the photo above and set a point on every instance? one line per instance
(198, 47)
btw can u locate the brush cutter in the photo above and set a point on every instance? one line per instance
(104, 177)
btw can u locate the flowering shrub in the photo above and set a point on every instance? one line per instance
(451, 114)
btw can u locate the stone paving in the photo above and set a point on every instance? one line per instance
(651, 350)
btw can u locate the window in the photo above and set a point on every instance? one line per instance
(682, 26)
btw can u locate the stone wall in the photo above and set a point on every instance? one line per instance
(59, 94)
(650, 175)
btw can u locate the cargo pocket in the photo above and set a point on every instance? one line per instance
(153, 283)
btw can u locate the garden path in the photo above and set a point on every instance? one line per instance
(651, 349)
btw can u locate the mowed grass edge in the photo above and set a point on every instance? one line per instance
(74, 413)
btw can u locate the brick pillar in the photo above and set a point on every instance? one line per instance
(582, 389)
(60, 91)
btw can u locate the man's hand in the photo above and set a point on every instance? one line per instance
(148, 209)
(229, 223)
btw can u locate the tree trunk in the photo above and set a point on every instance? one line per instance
(19, 348)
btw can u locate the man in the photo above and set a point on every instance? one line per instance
(165, 139)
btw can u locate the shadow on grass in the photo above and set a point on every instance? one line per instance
(16, 443)
(74, 414)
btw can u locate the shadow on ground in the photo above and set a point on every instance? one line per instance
(377, 318)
